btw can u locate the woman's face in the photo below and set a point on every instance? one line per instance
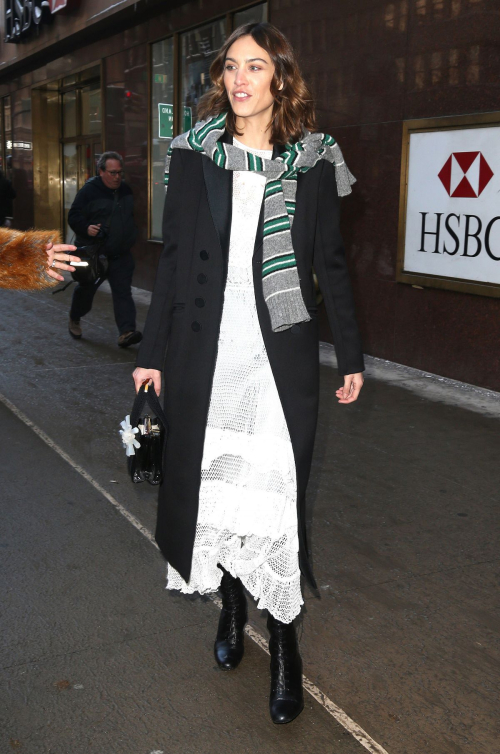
(248, 74)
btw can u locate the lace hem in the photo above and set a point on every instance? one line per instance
(268, 569)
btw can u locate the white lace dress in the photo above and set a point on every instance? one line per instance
(247, 518)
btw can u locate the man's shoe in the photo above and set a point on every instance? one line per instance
(129, 338)
(74, 329)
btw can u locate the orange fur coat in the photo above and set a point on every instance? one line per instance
(23, 258)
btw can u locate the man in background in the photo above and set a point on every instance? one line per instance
(102, 215)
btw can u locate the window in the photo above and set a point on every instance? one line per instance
(179, 77)
(81, 135)
(69, 114)
(6, 137)
(162, 120)
(199, 48)
(90, 109)
(256, 14)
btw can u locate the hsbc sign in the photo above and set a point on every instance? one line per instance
(450, 219)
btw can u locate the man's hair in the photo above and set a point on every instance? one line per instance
(101, 165)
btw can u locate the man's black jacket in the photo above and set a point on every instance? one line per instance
(96, 203)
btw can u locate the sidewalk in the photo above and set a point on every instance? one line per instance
(404, 533)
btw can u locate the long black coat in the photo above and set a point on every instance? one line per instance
(186, 311)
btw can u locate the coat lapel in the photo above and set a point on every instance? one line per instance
(219, 185)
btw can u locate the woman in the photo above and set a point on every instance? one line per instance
(235, 301)
(28, 259)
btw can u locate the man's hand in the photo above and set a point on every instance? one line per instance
(352, 387)
(140, 375)
(93, 230)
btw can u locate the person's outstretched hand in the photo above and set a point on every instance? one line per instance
(57, 257)
(140, 375)
(352, 387)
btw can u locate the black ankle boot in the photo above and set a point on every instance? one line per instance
(228, 648)
(286, 700)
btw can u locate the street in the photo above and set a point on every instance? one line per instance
(98, 658)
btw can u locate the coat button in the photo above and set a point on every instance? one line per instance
(200, 302)
(204, 255)
(202, 278)
(196, 326)
(296, 329)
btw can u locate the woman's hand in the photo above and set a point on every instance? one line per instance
(140, 375)
(57, 256)
(352, 387)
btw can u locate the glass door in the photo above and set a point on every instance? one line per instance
(81, 140)
(70, 184)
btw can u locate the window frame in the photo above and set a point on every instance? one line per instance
(229, 18)
(81, 80)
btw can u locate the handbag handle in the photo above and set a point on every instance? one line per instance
(144, 397)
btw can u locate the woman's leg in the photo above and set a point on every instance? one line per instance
(286, 700)
(228, 648)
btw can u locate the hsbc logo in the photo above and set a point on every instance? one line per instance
(465, 175)
(452, 213)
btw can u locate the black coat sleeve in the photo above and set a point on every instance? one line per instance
(77, 219)
(333, 276)
(154, 341)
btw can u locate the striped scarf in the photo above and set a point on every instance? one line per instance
(280, 278)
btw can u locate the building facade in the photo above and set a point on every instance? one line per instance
(84, 76)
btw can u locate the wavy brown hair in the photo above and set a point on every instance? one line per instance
(293, 108)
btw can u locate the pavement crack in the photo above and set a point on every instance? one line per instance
(105, 645)
(410, 576)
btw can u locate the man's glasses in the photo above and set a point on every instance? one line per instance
(114, 173)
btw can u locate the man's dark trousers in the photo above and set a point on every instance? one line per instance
(120, 271)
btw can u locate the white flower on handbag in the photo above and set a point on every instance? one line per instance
(128, 433)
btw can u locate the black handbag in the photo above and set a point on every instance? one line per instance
(145, 463)
(94, 273)
(97, 266)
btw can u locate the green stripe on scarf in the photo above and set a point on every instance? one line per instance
(220, 156)
(281, 180)
(212, 125)
(254, 162)
(277, 225)
(278, 263)
(273, 187)
(193, 143)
